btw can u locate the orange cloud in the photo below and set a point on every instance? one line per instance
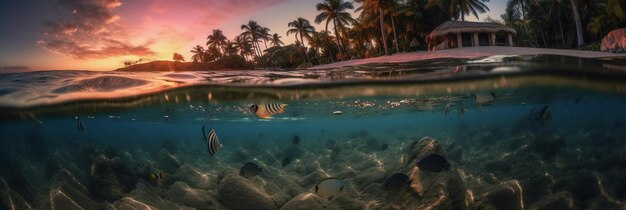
(152, 29)
(88, 29)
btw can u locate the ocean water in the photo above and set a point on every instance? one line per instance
(519, 132)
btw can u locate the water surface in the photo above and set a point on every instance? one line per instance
(552, 138)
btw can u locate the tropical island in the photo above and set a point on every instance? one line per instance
(398, 31)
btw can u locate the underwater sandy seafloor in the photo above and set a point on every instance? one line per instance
(530, 162)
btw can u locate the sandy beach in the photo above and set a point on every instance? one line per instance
(469, 52)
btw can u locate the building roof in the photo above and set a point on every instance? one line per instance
(464, 26)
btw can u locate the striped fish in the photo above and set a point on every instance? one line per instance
(212, 141)
(266, 110)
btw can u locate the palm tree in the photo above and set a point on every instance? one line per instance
(230, 48)
(336, 11)
(463, 6)
(523, 14)
(375, 7)
(324, 41)
(198, 54)
(275, 40)
(301, 27)
(217, 39)
(392, 7)
(178, 57)
(212, 54)
(245, 46)
(252, 31)
(264, 33)
(579, 28)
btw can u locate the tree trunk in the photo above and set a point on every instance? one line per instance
(337, 37)
(579, 28)
(524, 17)
(382, 29)
(256, 49)
(304, 47)
(395, 36)
(562, 37)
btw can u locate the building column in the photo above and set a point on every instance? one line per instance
(510, 40)
(492, 37)
(475, 38)
(459, 41)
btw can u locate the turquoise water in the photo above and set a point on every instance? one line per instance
(504, 155)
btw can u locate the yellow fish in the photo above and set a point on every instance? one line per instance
(266, 110)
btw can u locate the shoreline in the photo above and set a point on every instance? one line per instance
(467, 52)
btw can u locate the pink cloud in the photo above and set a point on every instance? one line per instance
(96, 29)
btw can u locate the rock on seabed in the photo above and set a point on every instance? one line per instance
(237, 192)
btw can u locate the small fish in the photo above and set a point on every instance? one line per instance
(250, 170)
(330, 187)
(79, 124)
(296, 140)
(384, 147)
(212, 141)
(484, 99)
(337, 113)
(433, 163)
(266, 110)
(395, 182)
(155, 177)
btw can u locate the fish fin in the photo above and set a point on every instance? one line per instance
(316, 188)
(204, 134)
(493, 94)
(263, 116)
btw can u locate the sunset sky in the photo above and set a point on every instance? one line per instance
(100, 34)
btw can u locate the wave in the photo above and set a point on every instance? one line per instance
(47, 88)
